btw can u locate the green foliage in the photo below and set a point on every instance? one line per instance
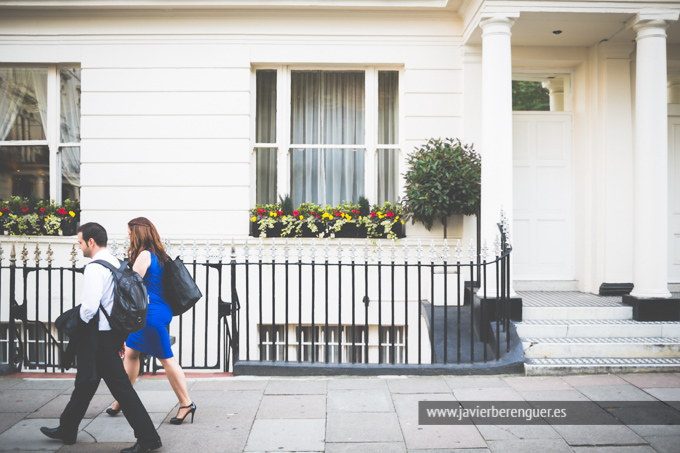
(444, 178)
(32, 216)
(364, 206)
(286, 205)
(529, 96)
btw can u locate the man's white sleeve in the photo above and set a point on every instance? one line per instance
(93, 290)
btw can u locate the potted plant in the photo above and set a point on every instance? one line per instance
(444, 178)
(265, 220)
(386, 221)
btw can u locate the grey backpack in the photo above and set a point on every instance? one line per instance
(130, 299)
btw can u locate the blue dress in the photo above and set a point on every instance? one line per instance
(154, 339)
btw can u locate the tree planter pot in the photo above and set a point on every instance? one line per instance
(274, 232)
(397, 228)
(68, 227)
(348, 230)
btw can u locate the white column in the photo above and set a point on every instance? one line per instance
(650, 158)
(556, 89)
(496, 149)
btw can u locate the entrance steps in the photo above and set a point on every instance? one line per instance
(567, 332)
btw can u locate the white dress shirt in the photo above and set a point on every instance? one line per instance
(98, 288)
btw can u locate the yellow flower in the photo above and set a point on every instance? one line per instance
(402, 222)
(253, 219)
(397, 218)
(72, 214)
(301, 217)
(0, 214)
(272, 214)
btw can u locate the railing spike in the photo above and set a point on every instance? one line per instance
(13, 256)
(50, 254)
(233, 249)
(24, 255)
(246, 248)
(37, 255)
(445, 251)
(74, 254)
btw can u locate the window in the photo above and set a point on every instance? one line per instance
(326, 136)
(40, 132)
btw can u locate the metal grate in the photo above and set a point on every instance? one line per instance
(592, 322)
(567, 299)
(606, 361)
(604, 340)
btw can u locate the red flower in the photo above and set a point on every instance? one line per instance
(318, 217)
(279, 213)
(5, 209)
(372, 214)
(24, 209)
(62, 211)
(336, 213)
(295, 213)
(42, 210)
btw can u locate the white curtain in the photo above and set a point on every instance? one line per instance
(70, 125)
(265, 132)
(327, 107)
(388, 134)
(14, 84)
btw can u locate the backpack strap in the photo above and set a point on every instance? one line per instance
(112, 268)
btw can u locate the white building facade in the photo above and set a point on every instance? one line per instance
(189, 114)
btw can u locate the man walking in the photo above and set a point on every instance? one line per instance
(97, 352)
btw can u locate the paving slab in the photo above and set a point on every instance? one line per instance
(553, 395)
(26, 435)
(377, 400)
(158, 400)
(440, 436)
(105, 428)
(287, 435)
(487, 394)
(223, 433)
(471, 382)
(594, 379)
(656, 430)
(357, 383)
(367, 447)
(55, 407)
(296, 387)
(579, 435)
(363, 427)
(649, 380)
(292, 406)
(157, 384)
(626, 392)
(44, 384)
(95, 447)
(25, 400)
(529, 446)
(620, 449)
(406, 405)
(537, 383)
(9, 419)
(419, 385)
(665, 394)
(6, 383)
(230, 384)
(517, 432)
(664, 444)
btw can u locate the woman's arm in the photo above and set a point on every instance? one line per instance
(142, 263)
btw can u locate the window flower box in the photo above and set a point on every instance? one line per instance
(32, 217)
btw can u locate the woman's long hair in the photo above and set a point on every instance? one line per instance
(144, 236)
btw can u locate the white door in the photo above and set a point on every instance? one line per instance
(674, 199)
(543, 245)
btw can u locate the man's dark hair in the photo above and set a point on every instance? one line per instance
(95, 231)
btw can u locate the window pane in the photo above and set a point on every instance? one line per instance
(23, 103)
(388, 107)
(70, 105)
(388, 172)
(529, 96)
(70, 173)
(24, 172)
(265, 122)
(326, 176)
(328, 107)
(266, 175)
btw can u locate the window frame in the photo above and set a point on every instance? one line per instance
(53, 127)
(283, 107)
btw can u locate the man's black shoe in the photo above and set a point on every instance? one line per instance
(143, 446)
(55, 433)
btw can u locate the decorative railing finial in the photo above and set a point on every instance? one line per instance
(74, 255)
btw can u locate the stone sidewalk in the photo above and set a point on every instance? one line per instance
(339, 414)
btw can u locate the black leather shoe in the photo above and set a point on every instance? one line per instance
(55, 433)
(143, 446)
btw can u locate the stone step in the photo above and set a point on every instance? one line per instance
(640, 347)
(583, 312)
(590, 365)
(538, 328)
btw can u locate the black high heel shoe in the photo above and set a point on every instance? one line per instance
(179, 421)
(113, 412)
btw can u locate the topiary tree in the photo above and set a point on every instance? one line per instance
(444, 178)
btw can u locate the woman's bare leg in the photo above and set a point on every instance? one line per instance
(131, 365)
(178, 382)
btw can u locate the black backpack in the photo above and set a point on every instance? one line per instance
(130, 299)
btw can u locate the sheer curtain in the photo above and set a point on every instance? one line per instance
(265, 132)
(70, 125)
(327, 108)
(388, 134)
(14, 84)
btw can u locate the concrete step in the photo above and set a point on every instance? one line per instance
(611, 328)
(590, 365)
(584, 347)
(585, 312)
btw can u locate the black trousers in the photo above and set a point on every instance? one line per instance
(109, 367)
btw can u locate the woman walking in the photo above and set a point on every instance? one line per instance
(147, 255)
